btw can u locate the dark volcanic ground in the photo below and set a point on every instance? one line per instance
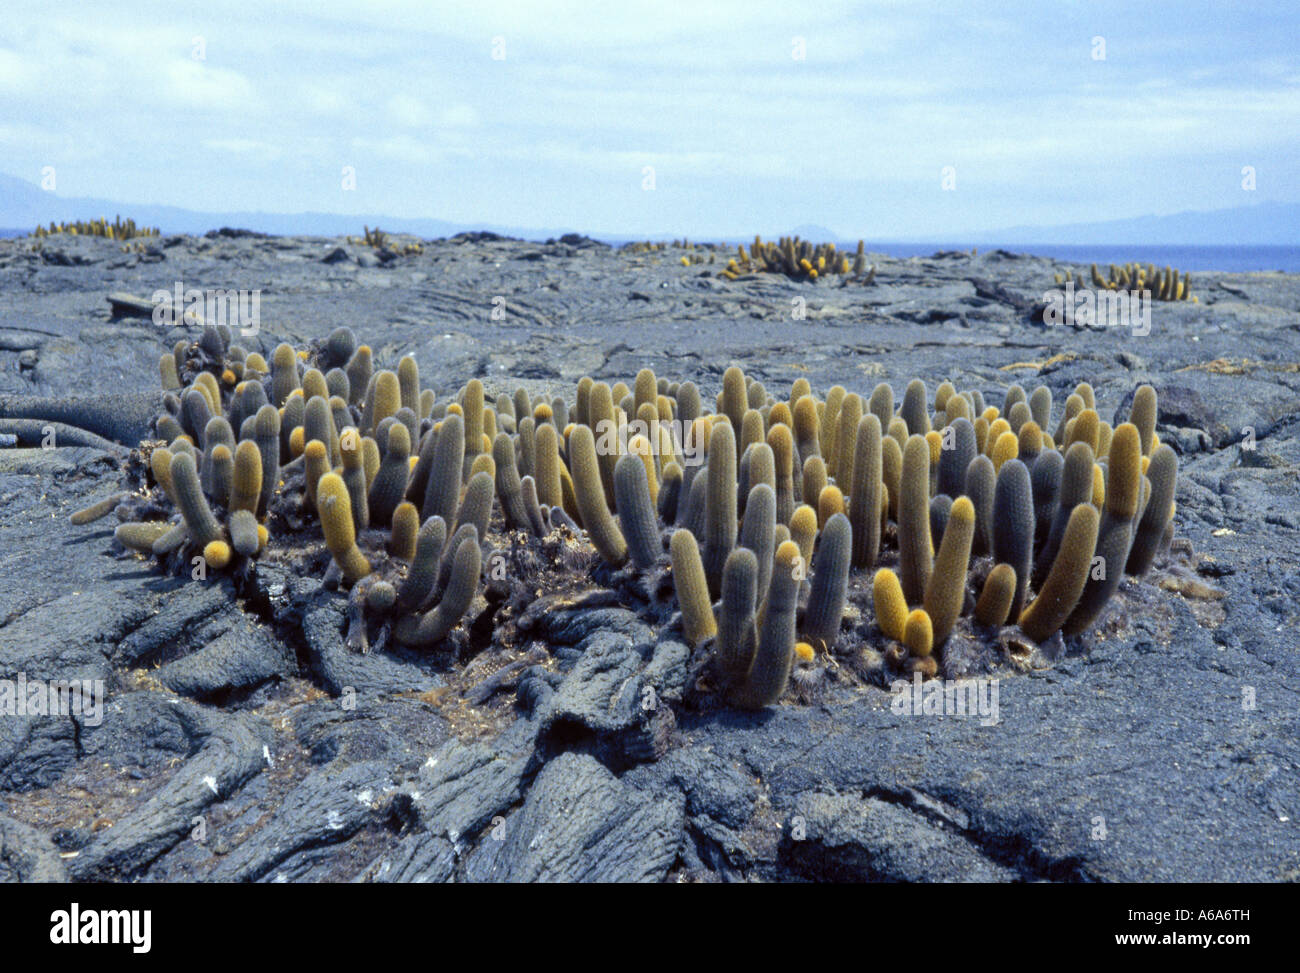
(241, 742)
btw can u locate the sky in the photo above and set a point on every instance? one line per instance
(718, 118)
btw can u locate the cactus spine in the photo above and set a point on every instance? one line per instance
(193, 505)
(442, 494)
(1163, 473)
(994, 605)
(946, 593)
(720, 509)
(1013, 525)
(774, 654)
(830, 580)
(918, 634)
(1076, 488)
(636, 510)
(389, 485)
(266, 433)
(436, 624)
(737, 635)
(781, 442)
(914, 547)
(1143, 415)
(476, 508)
(1115, 534)
(335, 508)
(1060, 592)
(596, 518)
(865, 496)
(890, 605)
(692, 588)
(758, 531)
(423, 572)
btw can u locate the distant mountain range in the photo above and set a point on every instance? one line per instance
(1263, 224)
(23, 205)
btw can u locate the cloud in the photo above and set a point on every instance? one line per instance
(197, 85)
(244, 147)
(711, 95)
(409, 111)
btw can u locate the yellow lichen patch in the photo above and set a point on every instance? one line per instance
(1056, 359)
(1240, 366)
(1192, 588)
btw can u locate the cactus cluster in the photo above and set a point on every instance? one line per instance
(772, 519)
(655, 246)
(320, 441)
(119, 229)
(1134, 278)
(643, 246)
(799, 260)
(771, 511)
(377, 238)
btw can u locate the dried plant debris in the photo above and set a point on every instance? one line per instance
(782, 536)
(384, 244)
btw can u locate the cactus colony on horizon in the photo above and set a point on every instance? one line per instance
(119, 229)
(798, 259)
(1134, 278)
(761, 508)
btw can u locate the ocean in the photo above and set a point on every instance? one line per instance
(1189, 258)
(1236, 259)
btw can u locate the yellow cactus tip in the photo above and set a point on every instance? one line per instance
(217, 554)
(803, 652)
(918, 633)
(934, 439)
(228, 377)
